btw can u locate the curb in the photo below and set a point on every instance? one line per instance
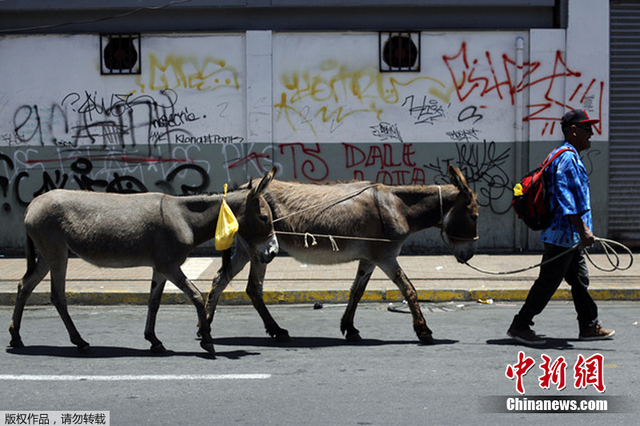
(312, 296)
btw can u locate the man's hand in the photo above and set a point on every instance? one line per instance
(585, 233)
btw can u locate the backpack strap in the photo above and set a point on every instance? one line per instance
(548, 160)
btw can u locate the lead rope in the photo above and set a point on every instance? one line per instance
(329, 203)
(332, 238)
(612, 257)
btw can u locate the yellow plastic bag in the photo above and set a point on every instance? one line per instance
(227, 225)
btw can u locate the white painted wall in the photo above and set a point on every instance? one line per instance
(303, 87)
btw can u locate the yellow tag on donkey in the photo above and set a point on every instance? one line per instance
(227, 225)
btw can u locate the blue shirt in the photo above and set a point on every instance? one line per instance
(569, 194)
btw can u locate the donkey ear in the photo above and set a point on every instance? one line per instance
(458, 179)
(266, 180)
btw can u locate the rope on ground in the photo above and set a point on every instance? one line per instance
(611, 255)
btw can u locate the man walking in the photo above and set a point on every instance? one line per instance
(570, 202)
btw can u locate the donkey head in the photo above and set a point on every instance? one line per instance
(460, 223)
(255, 229)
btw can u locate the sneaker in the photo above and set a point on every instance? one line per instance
(596, 332)
(526, 336)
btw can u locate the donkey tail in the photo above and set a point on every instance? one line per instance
(30, 254)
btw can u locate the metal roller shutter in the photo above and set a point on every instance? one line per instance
(624, 149)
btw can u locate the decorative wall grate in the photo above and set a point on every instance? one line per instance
(120, 54)
(399, 51)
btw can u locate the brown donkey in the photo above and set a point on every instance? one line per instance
(367, 222)
(119, 231)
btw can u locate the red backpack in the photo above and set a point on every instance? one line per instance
(530, 199)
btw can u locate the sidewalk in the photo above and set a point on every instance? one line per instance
(436, 277)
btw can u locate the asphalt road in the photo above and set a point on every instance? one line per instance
(318, 378)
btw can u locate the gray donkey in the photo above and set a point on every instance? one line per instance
(119, 231)
(357, 221)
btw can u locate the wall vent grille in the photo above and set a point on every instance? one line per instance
(399, 51)
(120, 54)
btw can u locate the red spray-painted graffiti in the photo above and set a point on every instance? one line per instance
(469, 77)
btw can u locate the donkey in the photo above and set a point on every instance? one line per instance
(357, 221)
(119, 231)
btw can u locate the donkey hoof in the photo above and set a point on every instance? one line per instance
(353, 337)
(85, 349)
(17, 343)
(208, 347)
(426, 338)
(158, 349)
(282, 336)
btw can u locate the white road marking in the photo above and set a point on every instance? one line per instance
(195, 266)
(141, 377)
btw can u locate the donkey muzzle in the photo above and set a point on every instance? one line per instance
(268, 249)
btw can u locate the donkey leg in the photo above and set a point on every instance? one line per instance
(397, 275)
(157, 287)
(232, 264)
(177, 277)
(254, 290)
(59, 300)
(365, 269)
(26, 286)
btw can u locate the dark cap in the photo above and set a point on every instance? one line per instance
(577, 116)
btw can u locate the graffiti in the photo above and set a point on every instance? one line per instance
(477, 76)
(482, 165)
(468, 79)
(364, 91)
(120, 120)
(470, 113)
(4, 181)
(175, 72)
(208, 139)
(180, 173)
(588, 159)
(378, 155)
(313, 167)
(465, 135)
(175, 119)
(415, 176)
(24, 177)
(11, 139)
(424, 112)
(480, 80)
(386, 131)
(391, 164)
(253, 157)
(244, 156)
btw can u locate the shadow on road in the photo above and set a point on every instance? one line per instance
(561, 344)
(119, 352)
(106, 352)
(319, 342)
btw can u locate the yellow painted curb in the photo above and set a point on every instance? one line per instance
(301, 296)
(311, 296)
(431, 295)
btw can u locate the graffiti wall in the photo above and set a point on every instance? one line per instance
(197, 116)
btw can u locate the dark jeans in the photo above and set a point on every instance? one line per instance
(573, 268)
